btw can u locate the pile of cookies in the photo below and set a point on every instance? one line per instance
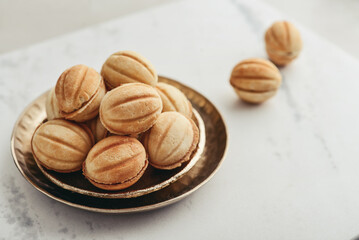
(112, 125)
(255, 80)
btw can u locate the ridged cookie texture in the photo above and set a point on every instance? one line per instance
(128, 67)
(98, 130)
(61, 145)
(52, 109)
(115, 163)
(255, 80)
(130, 109)
(174, 100)
(79, 91)
(283, 42)
(171, 141)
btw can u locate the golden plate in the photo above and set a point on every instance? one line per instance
(151, 181)
(166, 188)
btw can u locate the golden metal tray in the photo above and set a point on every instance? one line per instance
(155, 189)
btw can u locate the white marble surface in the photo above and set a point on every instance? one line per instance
(291, 171)
(34, 20)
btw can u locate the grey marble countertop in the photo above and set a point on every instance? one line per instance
(291, 169)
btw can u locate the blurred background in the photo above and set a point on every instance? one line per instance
(23, 23)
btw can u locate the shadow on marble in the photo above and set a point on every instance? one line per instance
(238, 104)
(102, 224)
(33, 212)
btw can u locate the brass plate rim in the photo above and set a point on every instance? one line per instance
(129, 209)
(141, 192)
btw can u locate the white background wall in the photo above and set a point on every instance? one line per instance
(26, 22)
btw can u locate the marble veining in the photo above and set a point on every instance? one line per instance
(251, 19)
(16, 211)
(324, 144)
(290, 99)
